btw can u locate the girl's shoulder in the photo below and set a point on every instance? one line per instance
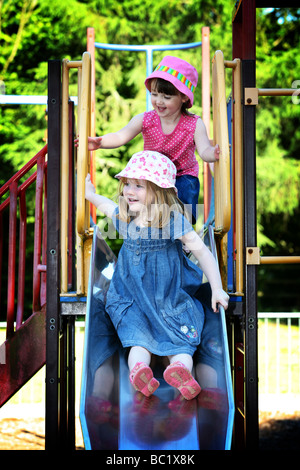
(188, 121)
(149, 117)
(190, 117)
(115, 216)
(120, 225)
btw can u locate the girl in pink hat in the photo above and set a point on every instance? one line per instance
(152, 299)
(169, 128)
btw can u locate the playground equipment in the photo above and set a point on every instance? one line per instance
(47, 336)
(59, 322)
(64, 301)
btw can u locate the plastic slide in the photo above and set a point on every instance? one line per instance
(114, 416)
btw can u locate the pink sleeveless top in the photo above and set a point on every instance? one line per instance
(179, 146)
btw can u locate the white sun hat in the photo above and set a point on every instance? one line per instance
(151, 166)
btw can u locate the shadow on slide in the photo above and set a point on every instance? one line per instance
(114, 416)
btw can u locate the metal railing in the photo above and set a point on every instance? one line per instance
(253, 253)
(18, 193)
(83, 164)
(279, 358)
(221, 167)
(237, 182)
(222, 177)
(148, 48)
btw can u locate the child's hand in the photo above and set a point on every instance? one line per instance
(219, 296)
(211, 154)
(217, 152)
(89, 187)
(94, 143)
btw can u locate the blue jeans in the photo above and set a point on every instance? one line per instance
(188, 188)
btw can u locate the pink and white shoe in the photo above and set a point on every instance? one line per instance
(178, 376)
(141, 377)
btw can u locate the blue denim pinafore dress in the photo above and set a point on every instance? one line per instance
(151, 295)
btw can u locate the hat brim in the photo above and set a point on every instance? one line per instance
(177, 84)
(165, 184)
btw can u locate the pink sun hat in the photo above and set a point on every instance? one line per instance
(178, 72)
(151, 166)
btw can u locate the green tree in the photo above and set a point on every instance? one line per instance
(278, 119)
(278, 156)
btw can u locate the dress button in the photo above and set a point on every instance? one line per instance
(137, 252)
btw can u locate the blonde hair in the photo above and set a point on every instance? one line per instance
(157, 213)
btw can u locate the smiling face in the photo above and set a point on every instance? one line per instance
(165, 99)
(147, 203)
(136, 194)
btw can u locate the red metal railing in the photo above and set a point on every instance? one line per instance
(39, 253)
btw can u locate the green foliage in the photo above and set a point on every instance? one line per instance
(277, 125)
(273, 196)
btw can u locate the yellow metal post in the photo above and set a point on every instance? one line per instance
(64, 171)
(83, 164)
(83, 232)
(206, 115)
(238, 182)
(238, 173)
(91, 50)
(84, 128)
(222, 167)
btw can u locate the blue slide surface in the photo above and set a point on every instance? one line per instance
(113, 415)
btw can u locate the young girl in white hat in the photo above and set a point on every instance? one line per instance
(169, 128)
(151, 299)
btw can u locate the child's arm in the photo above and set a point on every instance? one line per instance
(118, 138)
(209, 266)
(207, 152)
(102, 203)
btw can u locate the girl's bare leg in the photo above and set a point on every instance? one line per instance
(138, 354)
